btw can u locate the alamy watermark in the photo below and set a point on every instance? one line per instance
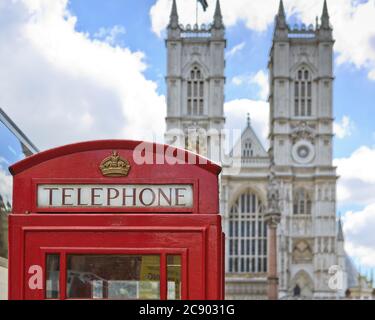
(337, 280)
(219, 146)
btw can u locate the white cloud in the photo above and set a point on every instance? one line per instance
(357, 177)
(358, 165)
(237, 110)
(363, 255)
(237, 48)
(344, 128)
(110, 35)
(260, 79)
(352, 21)
(238, 80)
(61, 86)
(356, 186)
(360, 237)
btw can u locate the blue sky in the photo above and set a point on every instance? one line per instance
(110, 56)
(134, 17)
(354, 93)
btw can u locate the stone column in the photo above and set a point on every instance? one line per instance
(272, 220)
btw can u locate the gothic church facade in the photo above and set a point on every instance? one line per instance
(310, 239)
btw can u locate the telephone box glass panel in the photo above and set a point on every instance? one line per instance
(125, 277)
(53, 276)
(174, 277)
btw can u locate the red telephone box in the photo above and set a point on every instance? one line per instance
(115, 220)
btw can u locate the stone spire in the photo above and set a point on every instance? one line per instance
(325, 17)
(281, 27)
(281, 17)
(218, 17)
(174, 31)
(173, 19)
(248, 120)
(218, 28)
(325, 30)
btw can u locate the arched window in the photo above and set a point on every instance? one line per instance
(247, 235)
(302, 203)
(247, 149)
(195, 93)
(303, 93)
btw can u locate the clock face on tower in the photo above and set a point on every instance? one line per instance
(303, 152)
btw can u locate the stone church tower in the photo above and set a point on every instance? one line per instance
(301, 147)
(195, 85)
(310, 240)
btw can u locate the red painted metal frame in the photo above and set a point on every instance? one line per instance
(209, 249)
(196, 231)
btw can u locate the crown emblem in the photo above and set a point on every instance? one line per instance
(115, 166)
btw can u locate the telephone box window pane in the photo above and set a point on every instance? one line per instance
(174, 277)
(122, 277)
(53, 276)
